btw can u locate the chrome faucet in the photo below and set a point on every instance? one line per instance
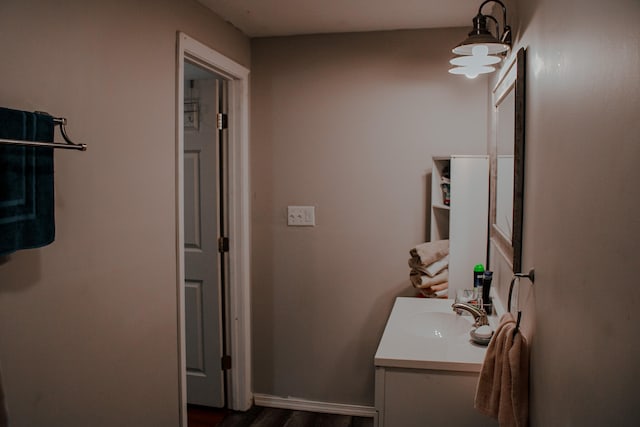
(478, 313)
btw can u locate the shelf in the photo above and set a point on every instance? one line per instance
(440, 212)
(440, 206)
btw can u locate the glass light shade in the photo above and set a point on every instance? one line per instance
(493, 48)
(472, 71)
(480, 50)
(472, 60)
(476, 63)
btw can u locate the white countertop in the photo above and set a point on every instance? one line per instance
(415, 338)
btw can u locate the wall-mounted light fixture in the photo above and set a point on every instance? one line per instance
(478, 51)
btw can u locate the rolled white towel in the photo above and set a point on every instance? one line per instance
(440, 290)
(432, 269)
(421, 281)
(430, 252)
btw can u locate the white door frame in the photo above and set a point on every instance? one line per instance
(239, 394)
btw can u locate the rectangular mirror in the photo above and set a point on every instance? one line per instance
(507, 153)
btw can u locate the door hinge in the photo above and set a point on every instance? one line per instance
(222, 121)
(223, 244)
(225, 363)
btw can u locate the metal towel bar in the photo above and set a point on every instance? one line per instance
(68, 144)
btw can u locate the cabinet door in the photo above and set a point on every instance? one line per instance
(468, 219)
(419, 398)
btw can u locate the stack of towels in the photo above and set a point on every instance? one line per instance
(429, 265)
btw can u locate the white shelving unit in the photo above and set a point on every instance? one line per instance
(439, 210)
(464, 221)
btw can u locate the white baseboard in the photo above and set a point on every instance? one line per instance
(313, 406)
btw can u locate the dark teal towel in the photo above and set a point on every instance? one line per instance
(26, 182)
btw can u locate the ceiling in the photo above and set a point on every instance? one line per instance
(266, 18)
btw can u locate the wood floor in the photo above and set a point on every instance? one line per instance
(200, 416)
(259, 416)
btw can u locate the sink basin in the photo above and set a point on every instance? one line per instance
(438, 325)
(425, 333)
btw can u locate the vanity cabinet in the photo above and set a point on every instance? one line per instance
(464, 217)
(419, 398)
(426, 367)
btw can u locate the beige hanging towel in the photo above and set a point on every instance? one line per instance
(503, 385)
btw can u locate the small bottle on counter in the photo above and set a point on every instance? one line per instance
(478, 277)
(486, 289)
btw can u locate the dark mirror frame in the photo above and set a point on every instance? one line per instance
(518, 172)
(513, 249)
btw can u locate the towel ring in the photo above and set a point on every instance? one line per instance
(517, 276)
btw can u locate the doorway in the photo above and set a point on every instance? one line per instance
(233, 293)
(205, 233)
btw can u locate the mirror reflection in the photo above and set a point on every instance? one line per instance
(505, 130)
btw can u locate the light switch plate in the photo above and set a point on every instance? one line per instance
(301, 216)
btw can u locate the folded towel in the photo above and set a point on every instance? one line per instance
(432, 269)
(440, 290)
(419, 280)
(26, 182)
(430, 252)
(503, 385)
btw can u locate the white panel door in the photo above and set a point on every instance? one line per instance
(203, 225)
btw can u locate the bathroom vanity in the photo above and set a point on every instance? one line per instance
(427, 368)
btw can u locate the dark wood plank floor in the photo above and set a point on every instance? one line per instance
(259, 416)
(201, 416)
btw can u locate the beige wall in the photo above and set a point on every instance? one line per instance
(346, 123)
(582, 231)
(88, 324)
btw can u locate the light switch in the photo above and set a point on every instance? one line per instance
(301, 216)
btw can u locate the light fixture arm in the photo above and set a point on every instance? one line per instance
(495, 21)
(505, 37)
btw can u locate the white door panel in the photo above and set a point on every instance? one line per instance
(203, 267)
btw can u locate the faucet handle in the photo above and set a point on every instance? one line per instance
(478, 313)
